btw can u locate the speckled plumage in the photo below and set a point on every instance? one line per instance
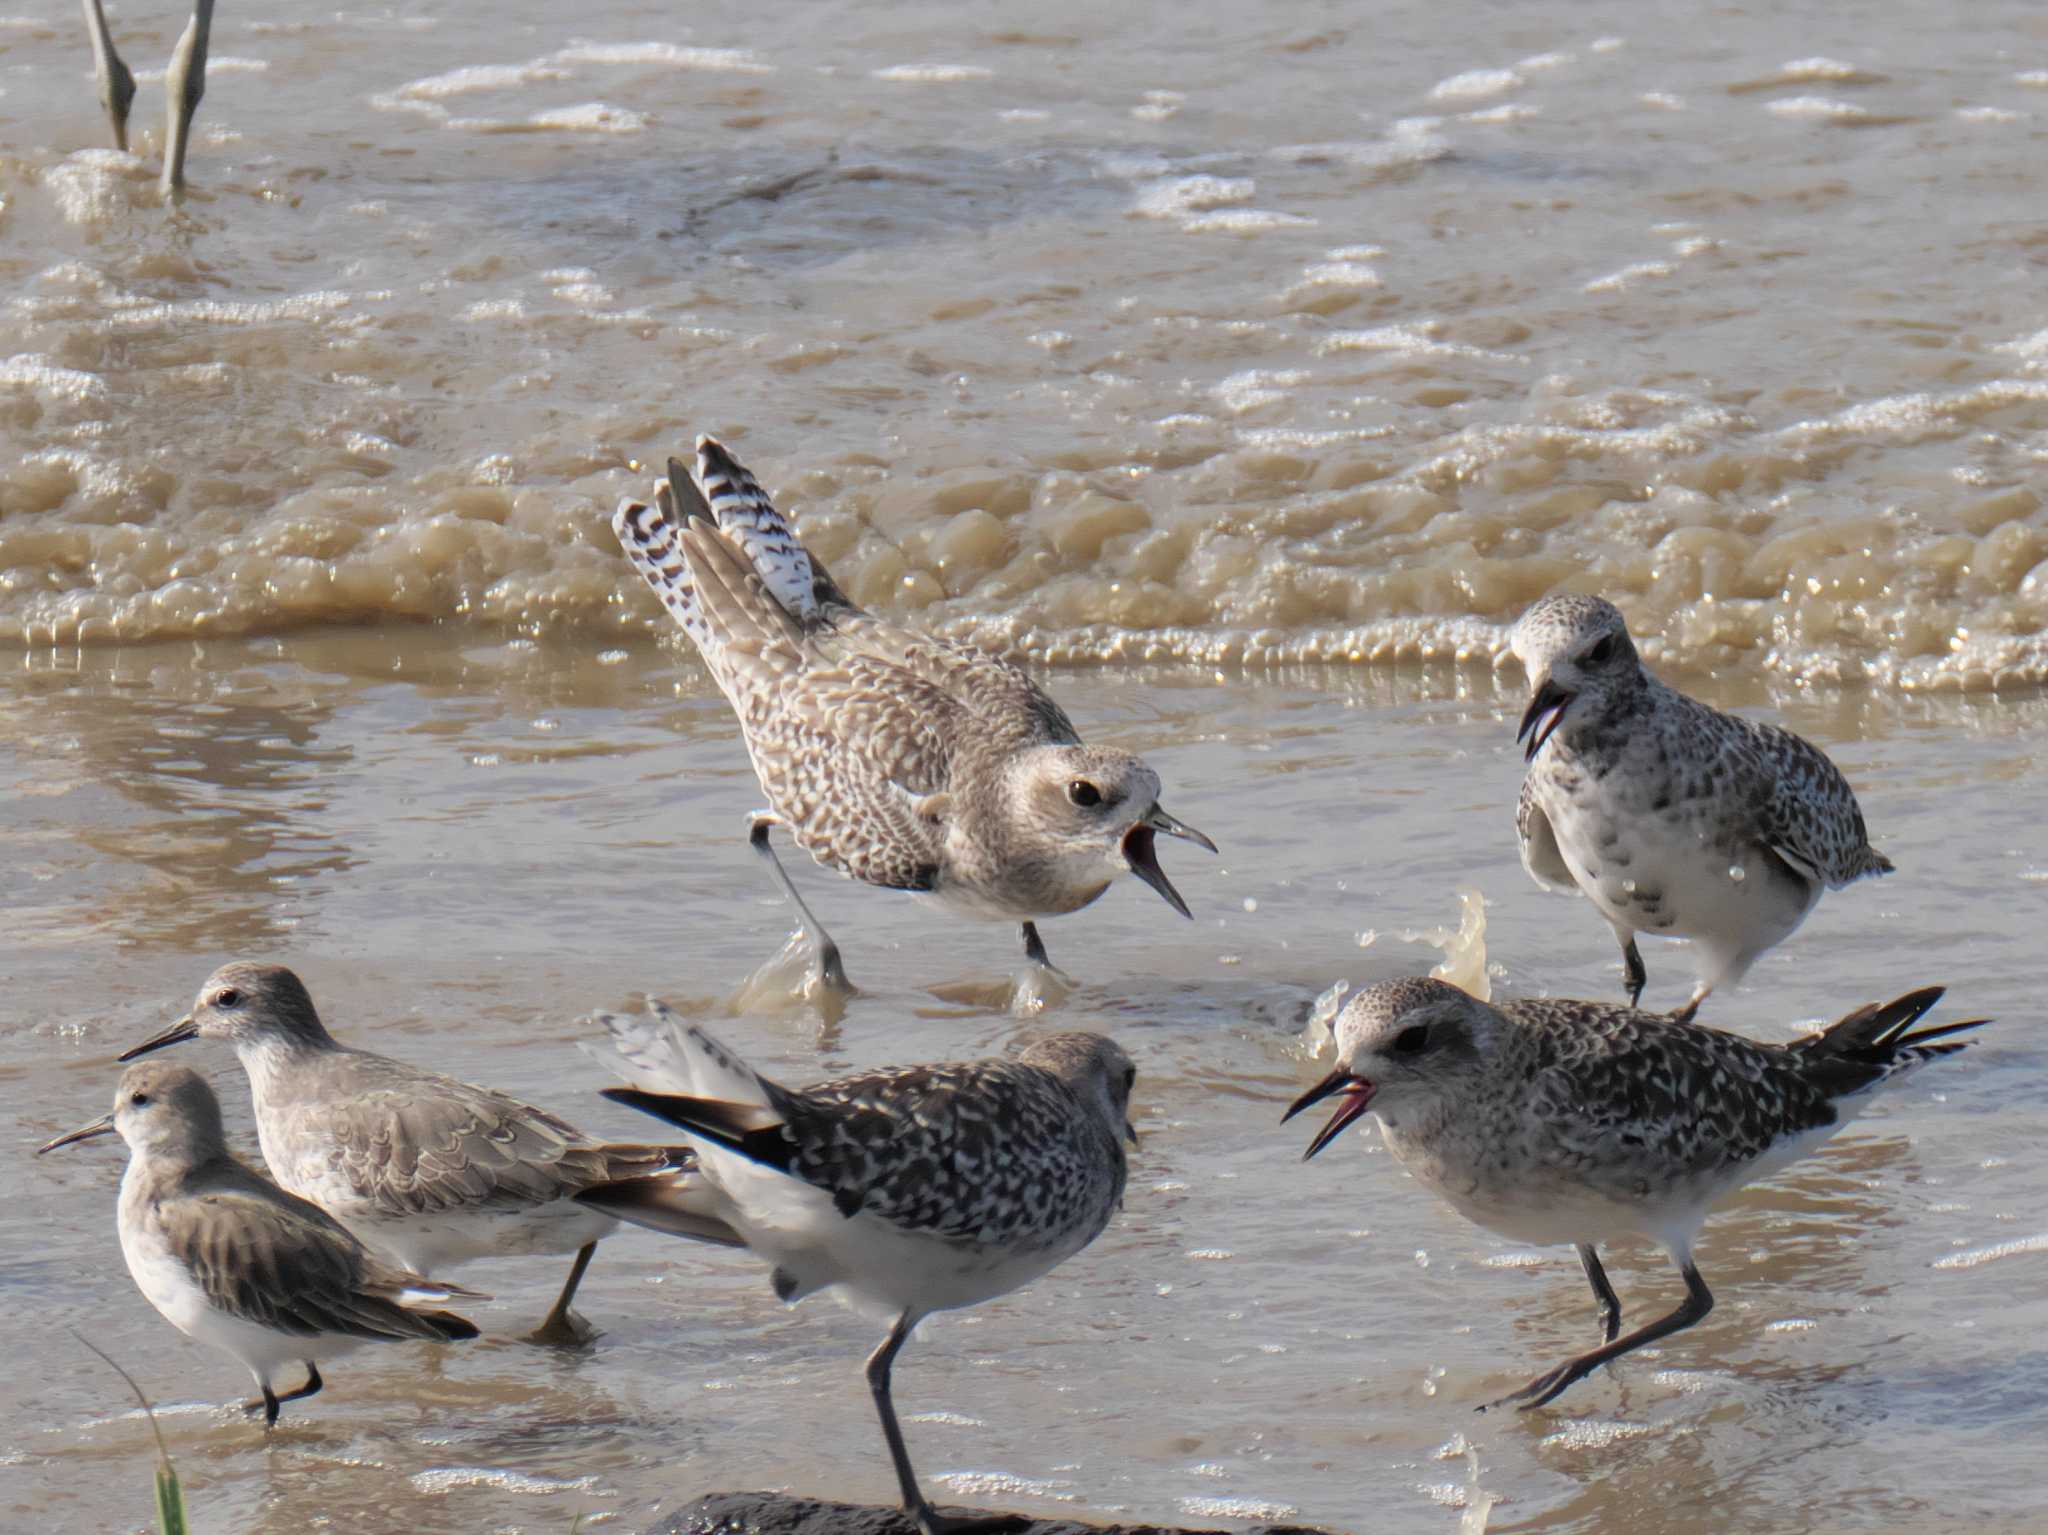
(898, 759)
(232, 1260)
(432, 1170)
(1676, 819)
(914, 1189)
(1555, 1121)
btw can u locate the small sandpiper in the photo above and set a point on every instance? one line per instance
(232, 1260)
(1553, 1121)
(918, 1189)
(431, 1170)
(898, 759)
(1676, 819)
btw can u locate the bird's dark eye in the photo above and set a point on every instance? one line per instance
(1084, 793)
(1601, 653)
(138, 1098)
(227, 998)
(1412, 1040)
(1130, 1078)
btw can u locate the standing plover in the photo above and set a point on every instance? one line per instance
(898, 759)
(919, 1189)
(1676, 819)
(429, 1169)
(232, 1260)
(1575, 1122)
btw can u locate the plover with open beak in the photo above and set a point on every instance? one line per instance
(1675, 819)
(429, 1169)
(913, 1190)
(232, 1260)
(898, 759)
(1556, 1122)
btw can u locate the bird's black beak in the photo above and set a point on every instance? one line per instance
(1358, 1098)
(177, 1033)
(1144, 860)
(1546, 708)
(104, 1125)
(1130, 1132)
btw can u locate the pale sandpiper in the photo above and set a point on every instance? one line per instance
(1676, 819)
(896, 758)
(429, 1169)
(232, 1260)
(1553, 1121)
(919, 1189)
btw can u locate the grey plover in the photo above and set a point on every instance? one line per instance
(895, 758)
(431, 1170)
(232, 1260)
(1553, 1121)
(914, 1190)
(1675, 819)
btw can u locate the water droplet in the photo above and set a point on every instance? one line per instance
(1628, 887)
(1737, 873)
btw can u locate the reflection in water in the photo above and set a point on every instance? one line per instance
(203, 793)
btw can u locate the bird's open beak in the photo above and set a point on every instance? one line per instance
(1546, 707)
(104, 1125)
(1144, 861)
(1358, 1098)
(177, 1033)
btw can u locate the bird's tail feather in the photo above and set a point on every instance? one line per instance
(746, 516)
(688, 1206)
(663, 1052)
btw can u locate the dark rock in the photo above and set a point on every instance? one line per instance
(775, 1513)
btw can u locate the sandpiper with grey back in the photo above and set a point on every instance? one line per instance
(898, 759)
(1675, 819)
(432, 1170)
(184, 81)
(913, 1190)
(1553, 1121)
(232, 1260)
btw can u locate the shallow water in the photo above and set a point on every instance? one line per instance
(1196, 343)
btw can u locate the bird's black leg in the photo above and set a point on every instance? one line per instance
(928, 1522)
(1634, 976)
(266, 1404)
(1699, 1300)
(116, 84)
(311, 1387)
(562, 1325)
(831, 971)
(1034, 947)
(1610, 1303)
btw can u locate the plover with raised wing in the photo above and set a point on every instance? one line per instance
(1675, 819)
(232, 1260)
(1552, 1121)
(431, 1170)
(913, 1190)
(898, 759)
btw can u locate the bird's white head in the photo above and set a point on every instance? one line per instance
(1577, 653)
(1086, 814)
(251, 1006)
(165, 1112)
(1097, 1070)
(1401, 1046)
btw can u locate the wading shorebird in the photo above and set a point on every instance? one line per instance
(1675, 819)
(184, 81)
(914, 1190)
(432, 1170)
(1556, 1122)
(900, 760)
(232, 1260)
